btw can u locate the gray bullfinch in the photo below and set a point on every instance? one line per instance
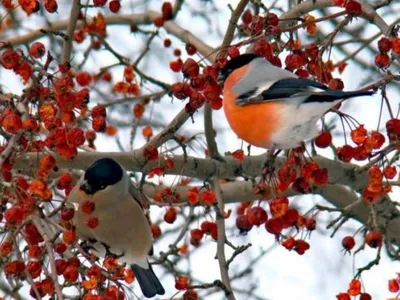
(270, 107)
(123, 229)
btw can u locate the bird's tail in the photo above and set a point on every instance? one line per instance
(357, 94)
(334, 95)
(148, 281)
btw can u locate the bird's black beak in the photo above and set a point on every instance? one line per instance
(87, 188)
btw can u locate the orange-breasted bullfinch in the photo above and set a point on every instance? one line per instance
(270, 107)
(123, 229)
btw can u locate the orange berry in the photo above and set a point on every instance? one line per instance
(208, 197)
(181, 282)
(147, 132)
(12, 123)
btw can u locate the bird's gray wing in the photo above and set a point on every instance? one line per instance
(283, 89)
(261, 74)
(135, 193)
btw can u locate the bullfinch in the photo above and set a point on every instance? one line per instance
(123, 229)
(272, 108)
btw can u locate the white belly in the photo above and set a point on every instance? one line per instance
(300, 123)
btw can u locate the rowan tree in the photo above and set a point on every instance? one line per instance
(137, 81)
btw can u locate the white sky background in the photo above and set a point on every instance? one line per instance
(323, 271)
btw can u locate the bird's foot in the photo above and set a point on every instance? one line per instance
(109, 253)
(87, 245)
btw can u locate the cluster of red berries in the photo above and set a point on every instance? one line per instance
(282, 217)
(373, 238)
(256, 24)
(299, 174)
(385, 45)
(95, 28)
(31, 6)
(182, 283)
(167, 13)
(128, 86)
(114, 5)
(201, 87)
(353, 291)
(365, 142)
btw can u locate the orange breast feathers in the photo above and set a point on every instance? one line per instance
(255, 123)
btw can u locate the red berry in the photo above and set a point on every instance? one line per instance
(83, 78)
(247, 17)
(274, 226)
(51, 6)
(10, 58)
(272, 19)
(14, 215)
(176, 65)
(71, 274)
(348, 243)
(167, 43)
(384, 44)
(233, 52)
(12, 123)
(289, 243)
(301, 246)
(37, 50)
(190, 49)
(190, 295)
(99, 124)
(353, 8)
(374, 239)
(167, 10)
(190, 68)
(396, 45)
(393, 286)
(114, 6)
(382, 60)
(170, 215)
(389, 172)
(243, 224)
(365, 296)
(69, 237)
(156, 231)
(60, 248)
(158, 21)
(196, 234)
(345, 153)
(257, 215)
(6, 248)
(324, 139)
(34, 268)
(67, 214)
(181, 282)
(99, 2)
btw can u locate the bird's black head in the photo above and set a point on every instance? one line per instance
(235, 63)
(101, 174)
